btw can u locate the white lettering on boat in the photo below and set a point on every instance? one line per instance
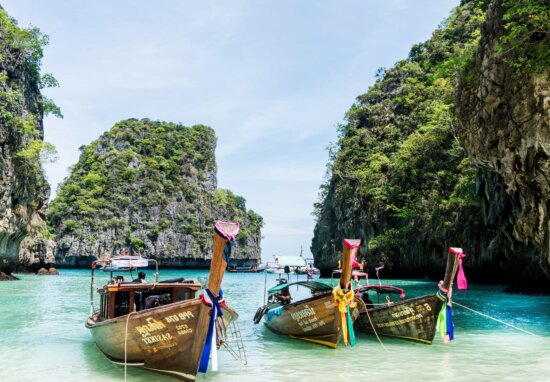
(399, 322)
(405, 312)
(151, 326)
(179, 317)
(183, 329)
(157, 338)
(304, 313)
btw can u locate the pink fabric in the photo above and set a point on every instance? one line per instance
(353, 256)
(461, 277)
(354, 262)
(227, 235)
(352, 243)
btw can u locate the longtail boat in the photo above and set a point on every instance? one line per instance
(324, 316)
(417, 318)
(162, 326)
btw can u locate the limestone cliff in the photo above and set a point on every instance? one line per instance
(504, 126)
(420, 166)
(23, 189)
(149, 187)
(399, 179)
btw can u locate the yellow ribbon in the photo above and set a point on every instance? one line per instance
(342, 300)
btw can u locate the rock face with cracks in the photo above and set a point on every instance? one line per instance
(504, 126)
(450, 147)
(23, 190)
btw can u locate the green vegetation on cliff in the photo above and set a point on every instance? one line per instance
(524, 44)
(23, 188)
(21, 104)
(398, 176)
(149, 186)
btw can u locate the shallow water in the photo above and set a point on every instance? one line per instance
(43, 338)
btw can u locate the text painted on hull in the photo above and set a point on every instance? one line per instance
(156, 332)
(307, 319)
(407, 315)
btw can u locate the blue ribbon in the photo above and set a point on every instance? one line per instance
(450, 326)
(216, 311)
(227, 250)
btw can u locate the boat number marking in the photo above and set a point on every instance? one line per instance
(154, 332)
(179, 317)
(406, 315)
(307, 319)
(151, 327)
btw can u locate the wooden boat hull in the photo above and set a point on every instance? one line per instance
(314, 319)
(414, 319)
(167, 339)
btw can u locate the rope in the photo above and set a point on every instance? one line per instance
(126, 345)
(265, 288)
(502, 322)
(375, 333)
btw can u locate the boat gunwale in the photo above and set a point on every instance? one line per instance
(144, 312)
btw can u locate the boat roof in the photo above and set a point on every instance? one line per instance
(116, 287)
(315, 286)
(291, 261)
(125, 263)
(381, 289)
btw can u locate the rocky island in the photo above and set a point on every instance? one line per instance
(149, 187)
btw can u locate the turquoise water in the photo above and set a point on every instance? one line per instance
(43, 338)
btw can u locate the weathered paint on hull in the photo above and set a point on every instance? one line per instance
(414, 319)
(167, 339)
(314, 319)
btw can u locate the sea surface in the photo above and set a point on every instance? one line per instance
(43, 338)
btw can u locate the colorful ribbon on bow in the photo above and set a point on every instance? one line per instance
(210, 344)
(344, 301)
(444, 325)
(461, 277)
(461, 281)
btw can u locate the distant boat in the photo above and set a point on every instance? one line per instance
(162, 326)
(248, 269)
(286, 264)
(413, 319)
(325, 317)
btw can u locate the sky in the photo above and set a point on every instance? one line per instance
(272, 78)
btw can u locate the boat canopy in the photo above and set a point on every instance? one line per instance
(382, 289)
(124, 263)
(315, 286)
(291, 261)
